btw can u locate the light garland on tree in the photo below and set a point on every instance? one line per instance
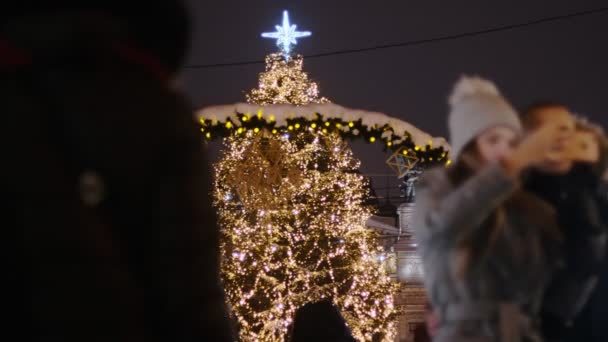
(293, 218)
(218, 122)
(291, 202)
(284, 82)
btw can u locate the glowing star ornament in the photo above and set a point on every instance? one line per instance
(286, 35)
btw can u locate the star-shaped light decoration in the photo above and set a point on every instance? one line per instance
(286, 35)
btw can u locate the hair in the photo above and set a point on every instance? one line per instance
(530, 113)
(537, 213)
(583, 125)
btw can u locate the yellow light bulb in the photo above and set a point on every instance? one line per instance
(338, 125)
(313, 125)
(351, 124)
(229, 125)
(208, 135)
(404, 152)
(260, 114)
(372, 139)
(271, 118)
(290, 128)
(297, 126)
(274, 131)
(389, 143)
(256, 130)
(240, 130)
(327, 123)
(417, 148)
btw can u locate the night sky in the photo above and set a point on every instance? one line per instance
(563, 61)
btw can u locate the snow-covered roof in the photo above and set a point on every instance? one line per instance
(281, 112)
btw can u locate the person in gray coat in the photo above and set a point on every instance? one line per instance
(489, 248)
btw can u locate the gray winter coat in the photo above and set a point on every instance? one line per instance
(498, 295)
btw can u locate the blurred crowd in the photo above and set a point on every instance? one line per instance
(513, 234)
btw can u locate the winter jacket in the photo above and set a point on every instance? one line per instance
(498, 295)
(592, 323)
(582, 216)
(108, 230)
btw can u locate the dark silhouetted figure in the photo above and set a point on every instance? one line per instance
(574, 188)
(320, 322)
(421, 334)
(108, 231)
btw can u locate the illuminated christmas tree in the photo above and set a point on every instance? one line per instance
(292, 216)
(284, 82)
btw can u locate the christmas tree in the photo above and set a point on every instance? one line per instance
(292, 216)
(285, 82)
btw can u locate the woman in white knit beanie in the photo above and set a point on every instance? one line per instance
(487, 246)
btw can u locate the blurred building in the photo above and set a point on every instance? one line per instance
(401, 260)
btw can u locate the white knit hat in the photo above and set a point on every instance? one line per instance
(475, 106)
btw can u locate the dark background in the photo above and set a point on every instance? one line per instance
(564, 61)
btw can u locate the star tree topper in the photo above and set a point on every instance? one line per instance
(286, 35)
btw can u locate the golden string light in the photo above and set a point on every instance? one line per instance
(285, 82)
(291, 208)
(292, 214)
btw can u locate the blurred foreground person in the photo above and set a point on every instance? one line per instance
(489, 248)
(108, 228)
(574, 186)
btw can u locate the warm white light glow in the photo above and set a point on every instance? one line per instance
(286, 35)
